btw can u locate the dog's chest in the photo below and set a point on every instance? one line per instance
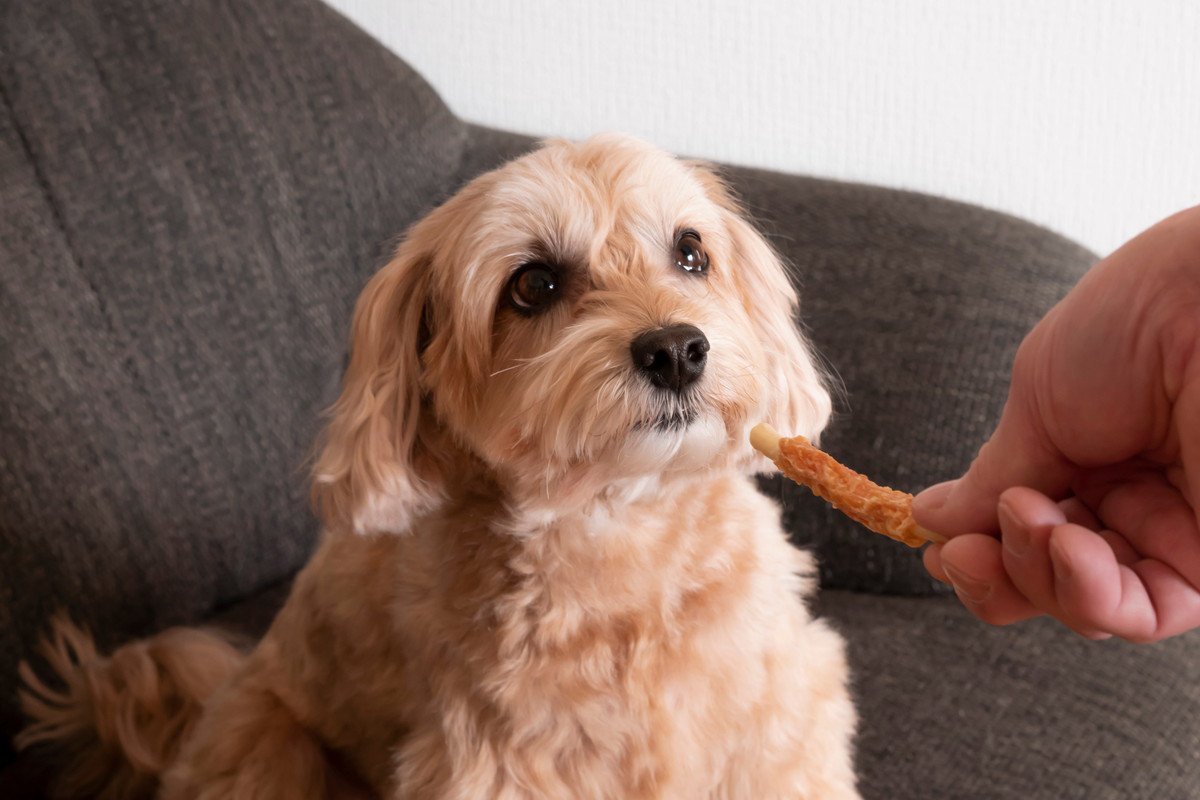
(645, 690)
(624, 664)
(622, 701)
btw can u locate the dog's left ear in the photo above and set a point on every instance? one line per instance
(796, 398)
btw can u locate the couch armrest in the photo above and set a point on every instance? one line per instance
(193, 194)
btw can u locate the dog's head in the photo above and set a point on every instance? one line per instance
(590, 321)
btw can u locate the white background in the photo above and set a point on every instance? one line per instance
(1083, 115)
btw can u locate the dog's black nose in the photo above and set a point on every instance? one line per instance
(672, 357)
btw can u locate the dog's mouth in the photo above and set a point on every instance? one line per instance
(669, 421)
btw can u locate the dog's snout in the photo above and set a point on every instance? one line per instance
(672, 357)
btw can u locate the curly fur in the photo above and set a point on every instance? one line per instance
(526, 587)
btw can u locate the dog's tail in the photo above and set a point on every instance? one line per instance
(118, 721)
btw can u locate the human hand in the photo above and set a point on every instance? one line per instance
(1083, 503)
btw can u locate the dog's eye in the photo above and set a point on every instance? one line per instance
(532, 288)
(689, 253)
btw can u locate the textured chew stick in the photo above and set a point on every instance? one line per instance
(879, 508)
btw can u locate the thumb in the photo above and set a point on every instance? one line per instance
(1018, 454)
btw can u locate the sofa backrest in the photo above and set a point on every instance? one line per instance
(187, 220)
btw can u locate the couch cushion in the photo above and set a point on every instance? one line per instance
(193, 194)
(950, 707)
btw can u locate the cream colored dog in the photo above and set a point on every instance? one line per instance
(545, 571)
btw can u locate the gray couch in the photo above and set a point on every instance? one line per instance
(193, 194)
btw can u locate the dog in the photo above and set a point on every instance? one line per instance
(545, 571)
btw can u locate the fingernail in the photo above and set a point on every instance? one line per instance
(1015, 533)
(933, 498)
(968, 588)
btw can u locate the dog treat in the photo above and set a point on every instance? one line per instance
(879, 508)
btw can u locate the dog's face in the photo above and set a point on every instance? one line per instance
(590, 321)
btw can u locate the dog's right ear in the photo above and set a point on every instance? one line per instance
(375, 471)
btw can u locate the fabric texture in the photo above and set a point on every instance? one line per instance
(951, 708)
(193, 195)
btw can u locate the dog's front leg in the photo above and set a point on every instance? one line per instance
(801, 746)
(426, 769)
(429, 768)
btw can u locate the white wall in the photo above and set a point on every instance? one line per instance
(1083, 115)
